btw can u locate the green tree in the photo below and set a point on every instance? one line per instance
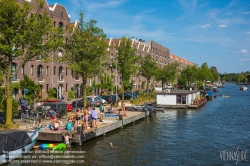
(148, 68)
(51, 93)
(239, 77)
(168, 73)
(205, 74)
(71, 94)
(32, 87)
(86, 51)
(127, 61)
(215, 73)
(21, 37)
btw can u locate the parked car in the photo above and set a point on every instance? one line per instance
(79, 103)
(127, 96)
(62, 106)
(111, 99)
(134, 94)
(104, 102)
(69, 106)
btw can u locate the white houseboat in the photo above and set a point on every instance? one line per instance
(180, 99)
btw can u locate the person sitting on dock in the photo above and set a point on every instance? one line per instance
(41, 126)
(55, 125)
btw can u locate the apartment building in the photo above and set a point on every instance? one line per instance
(59, 77)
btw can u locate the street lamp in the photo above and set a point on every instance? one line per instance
(111, 58)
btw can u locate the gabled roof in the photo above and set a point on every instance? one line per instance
(53, 7)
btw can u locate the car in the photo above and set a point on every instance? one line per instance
(127, 96)
(134, 94)
(79, 103)
(104, 102)
(111, 99)
(42, 109)
(69, 106)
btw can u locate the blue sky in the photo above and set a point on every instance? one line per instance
(212, 31)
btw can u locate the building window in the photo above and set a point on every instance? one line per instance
(39, 70)
(32, 70)
(66, 88)
(54, 23)
(60, 73)
(47, 87)
(22, 69)
(14, 72)
(76, 76)
(54, 71)
(47, 70)
(66, 27)
(60, 25)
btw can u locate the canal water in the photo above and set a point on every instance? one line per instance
(216, 134)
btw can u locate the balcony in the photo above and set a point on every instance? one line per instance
(40, 78)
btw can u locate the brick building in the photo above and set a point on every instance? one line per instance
(58, 76)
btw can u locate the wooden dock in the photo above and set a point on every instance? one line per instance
(109, 124)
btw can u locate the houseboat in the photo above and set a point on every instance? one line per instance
(180, 99)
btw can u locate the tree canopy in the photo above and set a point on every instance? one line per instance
(86, 51)
(21, 37)
(127, 61)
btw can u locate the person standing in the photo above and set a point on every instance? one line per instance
(101, 108)
(94, 117)
(123, 108)
(86, 118)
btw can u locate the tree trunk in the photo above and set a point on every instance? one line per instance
(147, 85)
(84, 83)
(9, 96)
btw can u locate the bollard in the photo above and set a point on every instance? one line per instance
(79, 131)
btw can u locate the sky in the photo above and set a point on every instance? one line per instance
(213, 31)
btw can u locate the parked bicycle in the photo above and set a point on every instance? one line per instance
(28, 114)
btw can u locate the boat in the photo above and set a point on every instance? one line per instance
(243, 88)
(225, 96)
(15, 143)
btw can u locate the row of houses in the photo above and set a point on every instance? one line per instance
(58, 76)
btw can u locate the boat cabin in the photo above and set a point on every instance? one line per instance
(183, 97)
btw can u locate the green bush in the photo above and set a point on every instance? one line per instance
(71, 94)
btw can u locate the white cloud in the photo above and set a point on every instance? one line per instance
(245, 59)
(244, 51)
(246, 12)
(206, 26)
(222, 26)
(248, 33)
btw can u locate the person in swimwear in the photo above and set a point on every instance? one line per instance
(86, 118)
(67, 136)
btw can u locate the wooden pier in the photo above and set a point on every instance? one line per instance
(109, 124)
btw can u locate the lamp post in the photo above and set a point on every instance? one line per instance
(111, 66)
(116, 79)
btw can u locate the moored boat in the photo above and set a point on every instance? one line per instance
(243, 88)
(15, 143)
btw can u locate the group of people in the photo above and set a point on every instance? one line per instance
(88, 117)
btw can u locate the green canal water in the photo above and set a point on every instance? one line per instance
(216, 134)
